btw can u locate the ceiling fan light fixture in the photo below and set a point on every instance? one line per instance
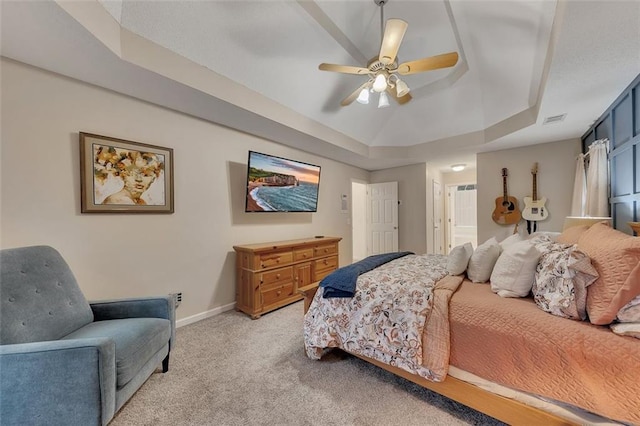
(363, 97)
(383, 102)
(401, 88)
(380, 83)
(382, 68)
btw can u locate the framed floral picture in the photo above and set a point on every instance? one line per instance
(120, 176)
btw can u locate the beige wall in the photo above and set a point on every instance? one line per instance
(131, 255)
(556, 170)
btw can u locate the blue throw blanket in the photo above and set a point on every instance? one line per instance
(342, 282)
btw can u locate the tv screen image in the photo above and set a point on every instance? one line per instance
(276, 184)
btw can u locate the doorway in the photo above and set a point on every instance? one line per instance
(358, 220)
(438, 240)
(461, 215)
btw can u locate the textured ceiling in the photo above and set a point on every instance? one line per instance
(253, 65)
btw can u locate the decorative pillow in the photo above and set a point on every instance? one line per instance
(511, 239)
(627, 329)
(630, 312)
(514, 272)
(482, 261)
(459, 259)
(616, 257)
(572, 234)
(543, 243)
(561, 280)
(552, 235)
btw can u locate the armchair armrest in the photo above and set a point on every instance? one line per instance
(143, 307)
(61, 381)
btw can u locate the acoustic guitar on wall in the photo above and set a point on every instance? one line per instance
(506, 211)
(534, 207)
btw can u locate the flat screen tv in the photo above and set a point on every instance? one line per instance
(276, 184)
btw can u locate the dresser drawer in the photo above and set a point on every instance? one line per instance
(277, 294)
(325, 250)
(324, 267)
(276, 276)
(302, 254)
(269, 260)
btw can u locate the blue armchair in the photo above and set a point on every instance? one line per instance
(64, 360)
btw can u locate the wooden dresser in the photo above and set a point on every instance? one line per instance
(268, 275)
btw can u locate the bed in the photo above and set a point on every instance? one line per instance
(521, 360)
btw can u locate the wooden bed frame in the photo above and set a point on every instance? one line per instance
(504, 409)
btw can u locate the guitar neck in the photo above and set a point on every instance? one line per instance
(504, 187)
(535, 188)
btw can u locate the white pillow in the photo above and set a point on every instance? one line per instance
(630, 312)
(511, 239)
(515, 270)
(459, 259)
(627, 329)
(482, 261)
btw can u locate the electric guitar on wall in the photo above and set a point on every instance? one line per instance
(506, 211)
(534, 208)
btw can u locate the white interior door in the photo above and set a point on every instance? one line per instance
(462, 215)
(438, 243)
(382, 218)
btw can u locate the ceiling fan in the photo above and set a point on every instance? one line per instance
(383, 70)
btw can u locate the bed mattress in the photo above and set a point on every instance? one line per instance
(514, 343)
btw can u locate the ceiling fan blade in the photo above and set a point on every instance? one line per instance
(393, 33)
(427, 64)
(346, 69)
(353, 96)
(399, 99)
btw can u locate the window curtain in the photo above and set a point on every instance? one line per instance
(579, 201)
(597, 202)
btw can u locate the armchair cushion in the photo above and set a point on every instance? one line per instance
(141, 307)
(41, 299)
(137, 340)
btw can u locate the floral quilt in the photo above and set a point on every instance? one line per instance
(386, 317)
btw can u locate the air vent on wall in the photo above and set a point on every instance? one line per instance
(554, 119)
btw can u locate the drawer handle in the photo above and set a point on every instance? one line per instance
(278, 260)
(277, 275)
(304, 255)
(325, 262)
(326, 250)
(279, 292)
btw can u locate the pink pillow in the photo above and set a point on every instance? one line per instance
(572, 234)
(616, 257)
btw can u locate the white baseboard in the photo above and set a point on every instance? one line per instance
(204, 315)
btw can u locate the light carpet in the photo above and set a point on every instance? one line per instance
(231, 370)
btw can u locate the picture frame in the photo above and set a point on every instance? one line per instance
(121, 176)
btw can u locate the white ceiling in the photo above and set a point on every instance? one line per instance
(253, 65)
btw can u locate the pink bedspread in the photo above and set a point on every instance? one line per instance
(512, 342)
